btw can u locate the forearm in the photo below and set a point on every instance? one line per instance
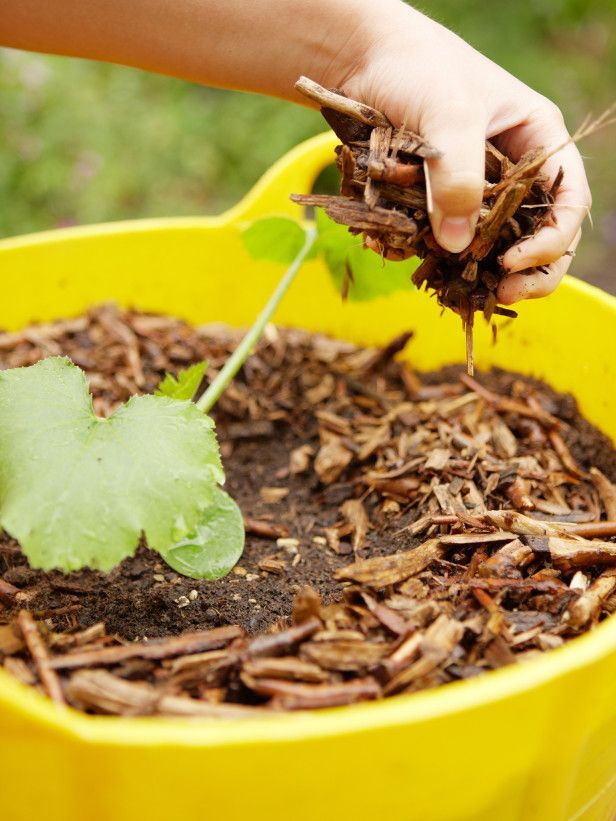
(254, 45)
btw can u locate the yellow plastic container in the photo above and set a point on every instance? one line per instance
(534, 742)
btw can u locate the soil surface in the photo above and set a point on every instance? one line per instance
(296, 395)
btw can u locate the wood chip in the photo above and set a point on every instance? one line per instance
(154, 649)
(607, 492)
(280, 643)
(273, 495)
(345, 656)
(40, 657)
(435, 647)
(331, 460)
(354, 512)
(11, 641)
(293, 696)
(382, 571)
(102, 692)
(290, 668)
(568, 554)
(588, 606)
(266, 530)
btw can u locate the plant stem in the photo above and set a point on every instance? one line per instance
(243, 350)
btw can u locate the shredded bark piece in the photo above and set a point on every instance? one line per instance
(154, 649)
(289, 668)
(382, 571)
(345, 656)
(273, 644)
(289, 695)
(354, 511)
(40, 657)
(606, 490)
(102, 692)
(7, 590)
(567, 554)
(267, 530)
(588, 606)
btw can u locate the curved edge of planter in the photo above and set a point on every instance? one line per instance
(495, 685)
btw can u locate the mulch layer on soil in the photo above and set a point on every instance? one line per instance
(403, 531)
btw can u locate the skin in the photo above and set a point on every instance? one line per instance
(399, 61)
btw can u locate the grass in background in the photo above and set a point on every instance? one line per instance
(83, 142)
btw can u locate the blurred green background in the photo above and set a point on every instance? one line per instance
(83, 142)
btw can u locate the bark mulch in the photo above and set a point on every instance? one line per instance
(403, 531)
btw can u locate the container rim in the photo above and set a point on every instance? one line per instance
(414, 708)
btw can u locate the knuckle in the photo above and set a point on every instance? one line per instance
(551, 111)
(548, 115)
(557, 247)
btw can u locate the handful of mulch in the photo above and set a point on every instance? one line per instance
(383, 194)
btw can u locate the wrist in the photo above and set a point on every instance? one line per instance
(350, 33)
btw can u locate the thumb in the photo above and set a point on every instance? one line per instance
(456, 180)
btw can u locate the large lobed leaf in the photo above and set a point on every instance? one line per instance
(77, 490)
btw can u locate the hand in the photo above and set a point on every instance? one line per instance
(424, 76)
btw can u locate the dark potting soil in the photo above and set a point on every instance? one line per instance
(271, 412)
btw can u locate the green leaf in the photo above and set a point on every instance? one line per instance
(214, 546)
(77, 490)
(277, 239)
(372, 276)
(185, 386)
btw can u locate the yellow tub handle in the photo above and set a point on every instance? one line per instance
(295, 172)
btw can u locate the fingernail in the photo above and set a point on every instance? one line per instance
(455, 233)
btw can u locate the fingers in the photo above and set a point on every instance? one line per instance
(455, 181)
(531, 285)
(572, 203)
